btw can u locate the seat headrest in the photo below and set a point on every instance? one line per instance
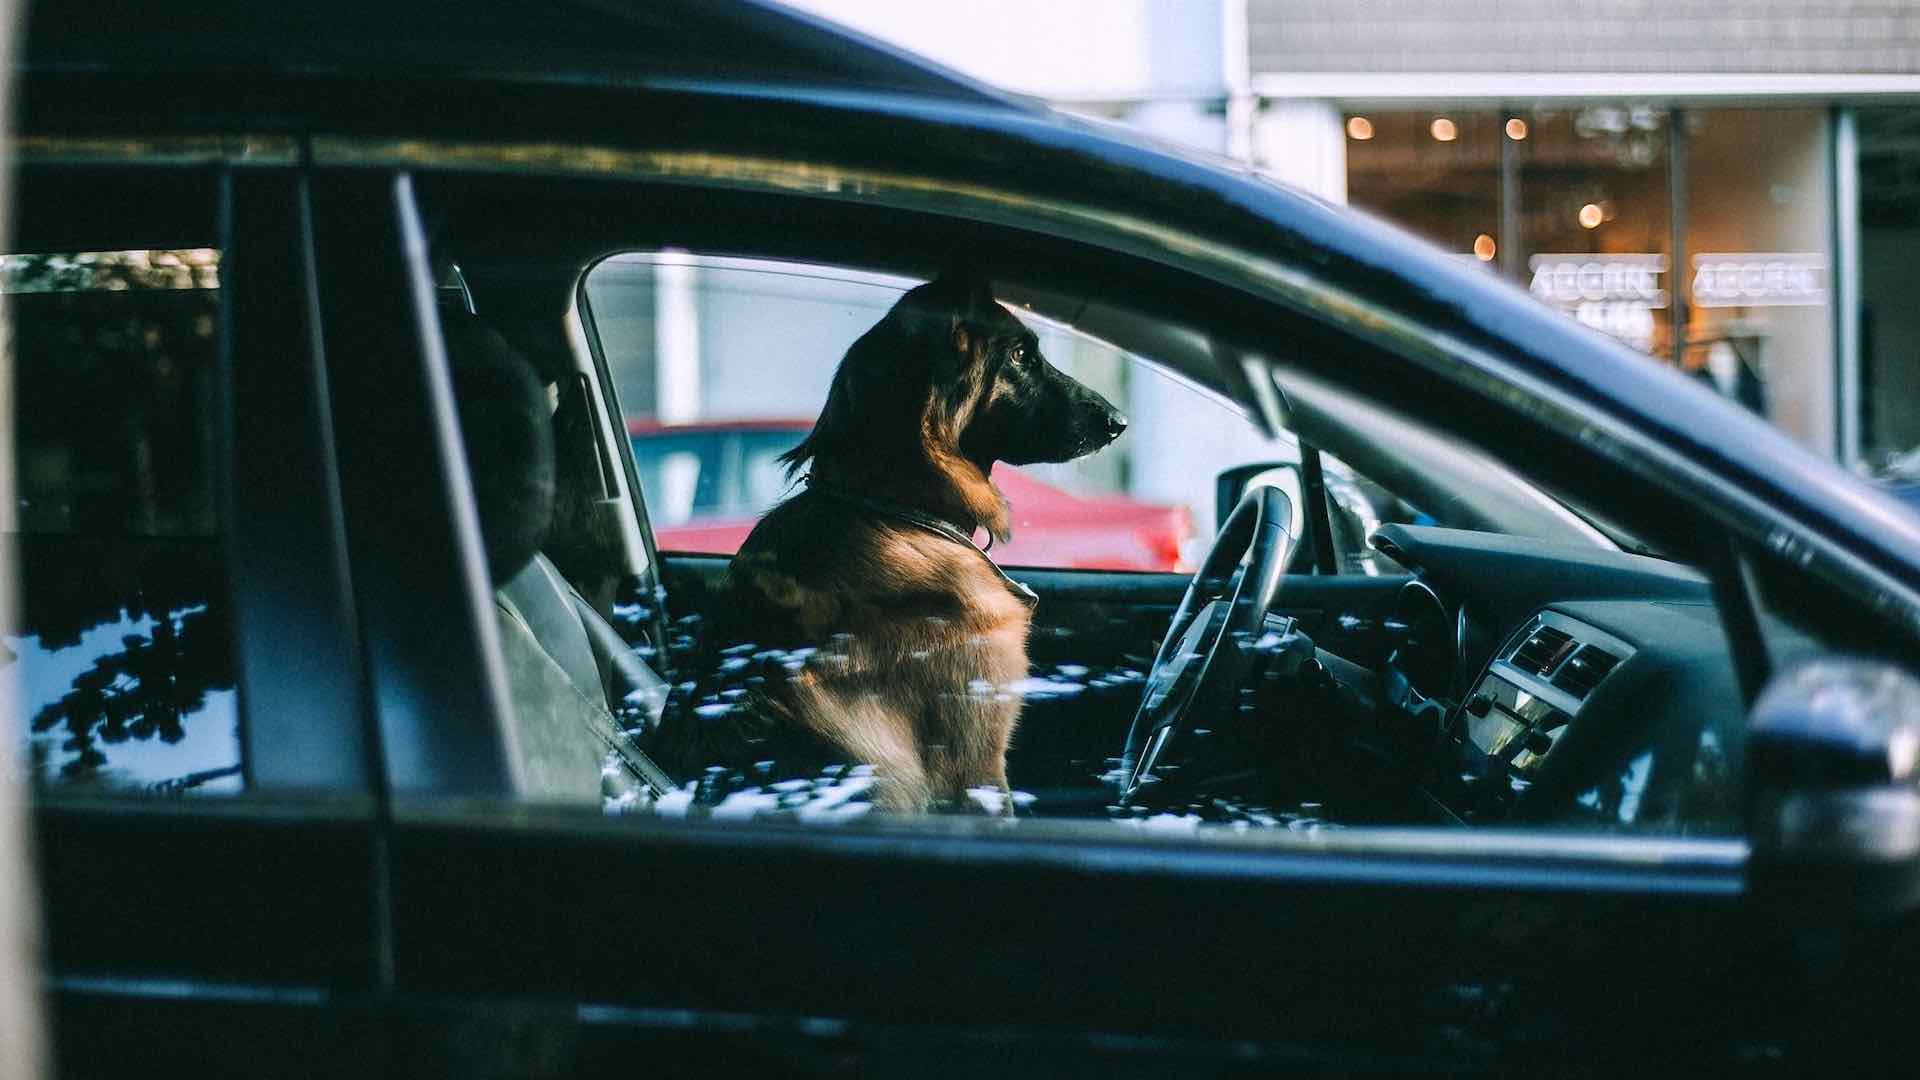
(508, 432)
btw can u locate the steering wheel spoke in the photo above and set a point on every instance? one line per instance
(1212, 634)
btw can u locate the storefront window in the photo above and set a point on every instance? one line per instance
(1595, 214)
(1889, 142)
(1577, 204)
(1758, 241)
(1436, 174)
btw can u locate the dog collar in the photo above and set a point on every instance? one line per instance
(930, 523)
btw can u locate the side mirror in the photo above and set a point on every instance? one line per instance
(1233, 483)
(1834, 782)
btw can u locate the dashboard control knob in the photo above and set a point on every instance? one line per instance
(1539, 742)
(1480, 704)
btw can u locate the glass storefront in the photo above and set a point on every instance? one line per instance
(1580, 204)
(1759, 247)
(1889, 327)
(1434, 173)
(1595, 217)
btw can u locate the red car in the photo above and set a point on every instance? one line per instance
(708, 482)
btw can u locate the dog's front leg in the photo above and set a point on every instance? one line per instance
(967, 748)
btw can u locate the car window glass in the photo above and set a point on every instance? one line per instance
(122, 650)
(773, 693)
(723, 364)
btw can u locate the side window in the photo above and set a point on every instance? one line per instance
(723, 365)
(819, 679)
(123, 646)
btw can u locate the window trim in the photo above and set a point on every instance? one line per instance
(287, 556)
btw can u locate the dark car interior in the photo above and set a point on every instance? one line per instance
(1502, 679)
(331, 678)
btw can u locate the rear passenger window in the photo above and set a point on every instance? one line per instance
(123, 648)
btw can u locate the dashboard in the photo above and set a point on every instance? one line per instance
(1577, 684)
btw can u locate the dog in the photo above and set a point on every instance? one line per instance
(920, 638)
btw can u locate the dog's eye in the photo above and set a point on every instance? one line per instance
(1019, 353)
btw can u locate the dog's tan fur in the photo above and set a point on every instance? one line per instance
(922, 641)
(920, 688)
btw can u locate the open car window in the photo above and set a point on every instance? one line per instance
(722, 365)
(1483, 654)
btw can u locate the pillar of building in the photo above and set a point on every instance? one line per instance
(1303, 143)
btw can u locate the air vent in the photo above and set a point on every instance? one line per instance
(1584, 670)
(1543, 650)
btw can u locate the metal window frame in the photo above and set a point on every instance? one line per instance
(1843, 172)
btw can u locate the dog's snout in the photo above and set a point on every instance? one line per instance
(1116, 423)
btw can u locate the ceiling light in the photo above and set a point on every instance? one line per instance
(1359, 128)
(1443, 129)
(1591, 216)
(1516, 129)
(1483, 248)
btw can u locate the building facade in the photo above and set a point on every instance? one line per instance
(1732, 188)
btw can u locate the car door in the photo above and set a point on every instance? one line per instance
(699, 934)
(526, 939)
(192, 709)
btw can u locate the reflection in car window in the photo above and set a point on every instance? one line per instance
(123, 649)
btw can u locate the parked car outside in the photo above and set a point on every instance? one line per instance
(708, 482)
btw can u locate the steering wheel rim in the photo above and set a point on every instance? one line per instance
(1209, 642)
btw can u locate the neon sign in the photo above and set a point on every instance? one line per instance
(1760, 279)
(1615, 294)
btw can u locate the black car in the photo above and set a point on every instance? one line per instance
(1608, 761)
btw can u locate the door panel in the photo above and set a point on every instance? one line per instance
(234, 892)
(1358, 951)
(211, 939)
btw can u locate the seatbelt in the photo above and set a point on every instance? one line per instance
(598, 718)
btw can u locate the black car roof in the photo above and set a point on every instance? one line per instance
(609, 43)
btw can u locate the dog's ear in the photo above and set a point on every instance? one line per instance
(966, 299)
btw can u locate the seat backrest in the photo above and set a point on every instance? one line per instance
(565, 733)
(505, 425)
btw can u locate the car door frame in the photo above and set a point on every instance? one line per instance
(166, 919)
(1404, 943)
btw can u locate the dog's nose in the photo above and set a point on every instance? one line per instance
(1116, 424)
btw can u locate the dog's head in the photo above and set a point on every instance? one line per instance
(952, 381)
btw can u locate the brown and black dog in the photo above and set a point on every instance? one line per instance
(921, 639)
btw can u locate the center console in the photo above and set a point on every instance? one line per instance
(1531, 693)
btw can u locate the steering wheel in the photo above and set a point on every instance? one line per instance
(1210, 643)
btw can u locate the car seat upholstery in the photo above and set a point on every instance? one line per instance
(560, 656)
